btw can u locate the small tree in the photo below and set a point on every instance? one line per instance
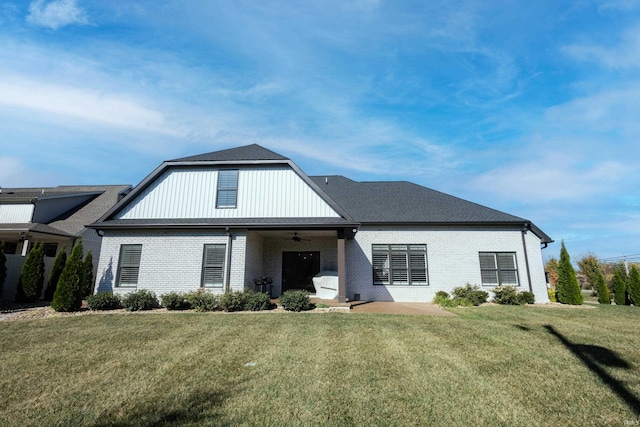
(568, 287)
(633, 286)
(604, 297)
(54, 276)
(87, 275)
(68, 294)
(32, 275)
(590, 268)
(3, 267)
(551, 267)
(619, 288)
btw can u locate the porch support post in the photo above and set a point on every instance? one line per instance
(342, 273)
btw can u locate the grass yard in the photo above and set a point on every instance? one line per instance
(492, 365)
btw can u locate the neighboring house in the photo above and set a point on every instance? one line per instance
(222, 219)
(54, 216)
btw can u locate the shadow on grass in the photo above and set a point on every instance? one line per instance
(595, 357)
(197, 408)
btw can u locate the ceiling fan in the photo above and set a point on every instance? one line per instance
(297, 238)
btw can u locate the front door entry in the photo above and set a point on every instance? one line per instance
(298, 269)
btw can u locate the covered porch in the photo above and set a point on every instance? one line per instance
(291, 259)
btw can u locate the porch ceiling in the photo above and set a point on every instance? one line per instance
(303, 234)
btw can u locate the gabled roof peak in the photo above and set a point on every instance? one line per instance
(253, 152)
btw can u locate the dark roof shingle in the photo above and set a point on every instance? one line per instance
(251, 152)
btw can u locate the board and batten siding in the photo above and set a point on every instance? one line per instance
(274, 192)
(16, 214)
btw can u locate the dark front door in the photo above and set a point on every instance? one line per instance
(298, 269)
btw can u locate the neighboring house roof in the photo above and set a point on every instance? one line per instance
(73, 221)
(247, 153)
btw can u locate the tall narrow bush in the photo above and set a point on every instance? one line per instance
(619, 288)
(54, 276)
(604, 297)
(32, 275)
(3, 267)
(68, 295)
(568, 287)
(633, 286)
(87, 275)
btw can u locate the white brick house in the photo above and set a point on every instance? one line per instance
(222, 219)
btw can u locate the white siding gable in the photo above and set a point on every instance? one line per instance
(263, 192)
(16, 214)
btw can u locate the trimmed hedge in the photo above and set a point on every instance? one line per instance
(257, 301)
(104, 301)
(202, 300)
(233, 301)
(140, 300)
(508, 295)
(175, 301)
(296, 300)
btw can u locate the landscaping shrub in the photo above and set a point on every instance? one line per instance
(140, 300)
(604, 297)
(568, 288)
(54, 276)
(104, 301)
(86, 275)
(619, 288)
(68, 294)
(32, 275)
(175, 301)
(296, 300)
(552, 295)
(473, 294)
(509, 295)
(633, 286)
(526, 297)
(233, 301)
(202, 300)
(257, 301)
(441, 298)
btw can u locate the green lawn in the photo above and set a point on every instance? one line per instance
(491, 365)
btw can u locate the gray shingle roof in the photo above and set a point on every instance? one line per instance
(34, 228)
(405, 202)
(251, 152)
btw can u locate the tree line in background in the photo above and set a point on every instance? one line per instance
(70, 279)
(608, 281)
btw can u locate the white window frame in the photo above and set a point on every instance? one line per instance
(129, 263)
(213, 266)
(225, 189)
(498, 268)
(400, 264)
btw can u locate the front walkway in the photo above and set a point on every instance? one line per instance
(385, 307)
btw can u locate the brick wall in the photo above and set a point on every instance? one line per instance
(452, 257)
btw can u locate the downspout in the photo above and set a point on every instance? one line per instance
(526, 255)
(228, 285)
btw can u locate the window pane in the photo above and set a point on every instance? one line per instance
(129, 269)
(213, 265)
(506, 261)
(508, 277)
(228, 179)
(227, 188)
(489, 277)
(398, 260)
(399, 277)
(487, 261)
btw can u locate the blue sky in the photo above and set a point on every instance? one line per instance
(528, 107)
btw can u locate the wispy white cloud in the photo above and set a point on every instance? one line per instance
(623, 55)
(105, 108)
(56, 14)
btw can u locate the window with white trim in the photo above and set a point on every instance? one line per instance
(401, 265)
(227, 196)
(129, 265)
(498, 268)
(213, 261)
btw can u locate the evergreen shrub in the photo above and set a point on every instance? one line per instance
(54, 275)
(568, 288)
(604, 297)
(175, 301)
(202, 300)
(140, 300)
(619, 288)
(233, 301)
(296, 300)
(633, 286)
(68, 293)
(257, 301)
(104, 301)
(87, 275)
(3, 267)
(32, 275)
